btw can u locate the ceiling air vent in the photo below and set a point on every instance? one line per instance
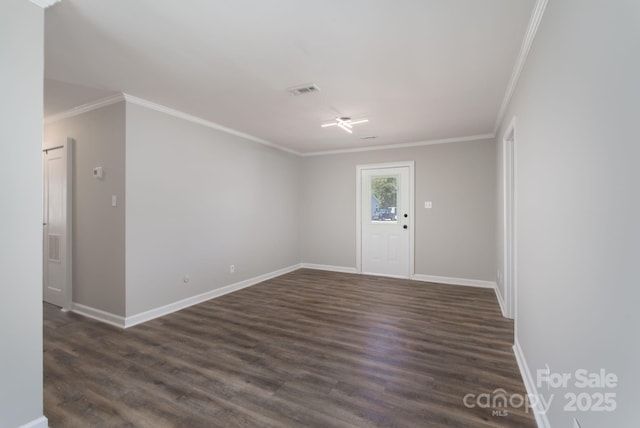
(303, 90)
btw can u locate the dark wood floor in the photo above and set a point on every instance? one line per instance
(307, 349)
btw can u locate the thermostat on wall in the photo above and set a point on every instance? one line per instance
(97, 172)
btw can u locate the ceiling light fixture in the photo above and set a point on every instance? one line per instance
(345, 123)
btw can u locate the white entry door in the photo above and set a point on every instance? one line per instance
(386, 220)
(57, 226)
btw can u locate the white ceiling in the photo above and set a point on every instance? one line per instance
(419, 70)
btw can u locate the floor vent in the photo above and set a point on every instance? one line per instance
(54, 248)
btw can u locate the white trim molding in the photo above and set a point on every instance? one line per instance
(123, 97)
(509, 206)
(341, 269)
(130, 321)
(194, 300)
(41, 422)
(84, 108)
(501, 302)
(454, 281)
(113, 99)
(527, 42)
(194, 119)
(466, 139)
(44, 3)
(417, 277)
(98, 315)
(530, 385)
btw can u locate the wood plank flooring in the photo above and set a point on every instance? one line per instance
(307, 349)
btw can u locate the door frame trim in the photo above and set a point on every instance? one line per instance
(67, 148)
(509, 273)
(359, 169)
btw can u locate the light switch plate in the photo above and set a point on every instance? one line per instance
(114, 201)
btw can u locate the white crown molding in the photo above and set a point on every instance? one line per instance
(113, 99)
(84, 108)
(404, 145)
(532, 29)
(194, 119)
(44, 3)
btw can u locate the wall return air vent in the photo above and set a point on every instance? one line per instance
(304, 89)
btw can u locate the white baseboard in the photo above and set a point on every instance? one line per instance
(530, 385)
(416, 277)
(501, 302)
(41, 422)
(194, 300)
(328, 268)
(454, 281)
(130, 321)
(98, 314)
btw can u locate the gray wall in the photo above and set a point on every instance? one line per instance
(576, 107)
(21, 56)
(99, 229)
(456, 238)
(199, 200)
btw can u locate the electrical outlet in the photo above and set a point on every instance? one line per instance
(232, 268)
(186, 279)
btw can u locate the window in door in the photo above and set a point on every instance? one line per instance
(384, 198)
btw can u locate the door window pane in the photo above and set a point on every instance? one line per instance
(384, 198)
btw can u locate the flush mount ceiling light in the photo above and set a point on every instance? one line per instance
(345, 123)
